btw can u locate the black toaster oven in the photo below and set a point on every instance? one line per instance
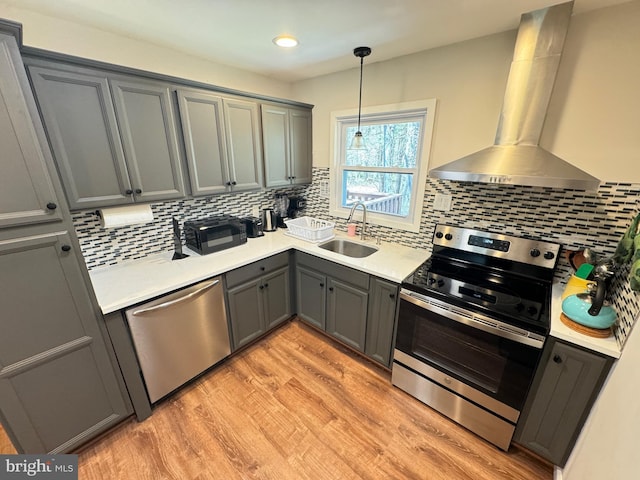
(212, 234)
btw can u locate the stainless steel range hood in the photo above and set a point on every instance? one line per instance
(516, 158)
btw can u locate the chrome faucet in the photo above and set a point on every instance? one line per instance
(364, 218)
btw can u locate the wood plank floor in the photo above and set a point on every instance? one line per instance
(298, 406)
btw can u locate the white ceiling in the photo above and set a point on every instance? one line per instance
(239, 32)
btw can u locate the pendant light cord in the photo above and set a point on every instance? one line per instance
(360, 95)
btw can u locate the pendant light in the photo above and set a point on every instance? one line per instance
(357, 143)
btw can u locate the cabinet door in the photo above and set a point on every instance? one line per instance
(246, 312)
(58, 388)
(25, 185)
(276, 297)
(565, 387)
(347, 313)
(147, 127)
(201, 116)
(81, 124)
(243, 144)
(380, 321)
(275, 137)
(311, 288)
(301, 154)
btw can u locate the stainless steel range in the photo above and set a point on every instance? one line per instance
(472, 322)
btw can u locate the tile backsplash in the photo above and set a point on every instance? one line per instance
(576, 219)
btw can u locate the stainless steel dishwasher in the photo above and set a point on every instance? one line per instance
(180, 335)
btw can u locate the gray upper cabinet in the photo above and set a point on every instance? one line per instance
(110, 149)
(148, 130)
(58, 388)
(222, 141)
(286, 134)
(26, 192)
(81, 124)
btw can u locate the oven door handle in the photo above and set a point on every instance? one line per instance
(474, 320)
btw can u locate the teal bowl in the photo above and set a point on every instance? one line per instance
(576, 307)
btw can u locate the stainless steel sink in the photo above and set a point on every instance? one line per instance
(348, 248)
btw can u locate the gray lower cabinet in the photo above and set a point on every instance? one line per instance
(258, 298)
(114, 140)
(59, 386)
(286, 134)
(383, 299)
(222, 140)
(333, 298)
(311, 296)
(564, 389)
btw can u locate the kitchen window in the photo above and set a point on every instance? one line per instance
(389, 175)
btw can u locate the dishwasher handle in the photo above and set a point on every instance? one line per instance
(184, 298)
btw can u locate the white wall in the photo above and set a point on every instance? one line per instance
(608, 444)
(58, 35)
(592, 120)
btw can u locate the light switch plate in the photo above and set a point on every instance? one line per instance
(442, 202)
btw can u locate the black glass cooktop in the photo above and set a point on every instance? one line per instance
(497, 289)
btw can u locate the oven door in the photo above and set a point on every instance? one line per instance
(488, 362)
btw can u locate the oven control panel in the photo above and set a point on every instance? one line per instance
(517, 249)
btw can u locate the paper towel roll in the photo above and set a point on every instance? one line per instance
(122, 216)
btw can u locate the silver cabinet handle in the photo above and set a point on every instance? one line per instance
(177, 300)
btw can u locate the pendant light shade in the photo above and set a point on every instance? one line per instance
(357, 143)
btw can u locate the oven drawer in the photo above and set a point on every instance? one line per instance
(479, 421)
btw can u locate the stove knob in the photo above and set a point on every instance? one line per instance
(520, 307)
(439, 235)
(534, 252)
(548, 255)
(431, 281)
(448, 236)
(440, 283)
(532, 310)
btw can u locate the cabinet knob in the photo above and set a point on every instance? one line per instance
(233, 183)
(261, 287)
(138, 191)
(557, 359)
(51, 206)
(322, 285)
(331, 289)
(128, 192)
(266, 285)
(262, 269)
(392, 295)
(65, 248)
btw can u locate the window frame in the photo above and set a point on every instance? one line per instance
(340, 120)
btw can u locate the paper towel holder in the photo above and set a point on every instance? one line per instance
(177, 242)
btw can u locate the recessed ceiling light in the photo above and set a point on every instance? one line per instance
(285, 41)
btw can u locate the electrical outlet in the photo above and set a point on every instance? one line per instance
(442, 202)
(255, 211)
(324, 189)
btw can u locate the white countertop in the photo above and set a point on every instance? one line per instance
(128, 283)
(607, 346)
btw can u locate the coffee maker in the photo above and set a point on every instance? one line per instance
(296, 204)
(281, 209)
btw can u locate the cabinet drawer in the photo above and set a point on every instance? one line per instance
(340, 272)
(256, 269)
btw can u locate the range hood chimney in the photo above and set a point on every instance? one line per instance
(516, 158)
